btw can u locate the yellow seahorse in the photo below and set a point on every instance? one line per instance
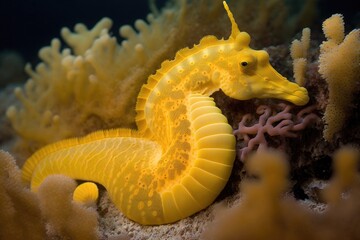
(181, 156)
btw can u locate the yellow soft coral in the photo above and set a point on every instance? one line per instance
(299, 54)
(66, 218)
(93, 87)
(20, 216)
(340, 66)
(263, 203)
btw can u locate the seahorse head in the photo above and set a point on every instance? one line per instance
(250, 74)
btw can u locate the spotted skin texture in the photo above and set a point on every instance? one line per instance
(180, 157)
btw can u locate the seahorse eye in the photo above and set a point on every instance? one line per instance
(247, 63)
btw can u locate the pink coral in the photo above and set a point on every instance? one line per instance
(273, 121)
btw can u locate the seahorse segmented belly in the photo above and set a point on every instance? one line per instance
(142, 177)
(181, 156)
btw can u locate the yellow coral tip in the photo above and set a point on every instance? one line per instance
(86, 193)
(334, 29)
(11, 112)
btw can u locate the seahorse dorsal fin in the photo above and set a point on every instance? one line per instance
(234, 27)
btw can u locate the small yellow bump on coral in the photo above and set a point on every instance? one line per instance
(86, 193)
(127, 31)
(334, 28)
(340, 66)
(298, 52)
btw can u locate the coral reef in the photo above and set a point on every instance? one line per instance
(158, 175)
(181, 24)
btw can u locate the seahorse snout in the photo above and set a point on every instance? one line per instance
(286, 90)
(298, 97)
(271, 84)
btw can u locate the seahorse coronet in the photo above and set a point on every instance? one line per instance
(181, 155)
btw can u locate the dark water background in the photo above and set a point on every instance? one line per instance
(28, 25)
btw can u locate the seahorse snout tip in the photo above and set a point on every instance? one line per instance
(298, 97)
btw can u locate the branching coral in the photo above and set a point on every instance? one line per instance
(273, 121)
(71, 94)
(93, 87)
(340, 66)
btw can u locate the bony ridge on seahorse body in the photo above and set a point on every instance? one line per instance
(181, 156)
